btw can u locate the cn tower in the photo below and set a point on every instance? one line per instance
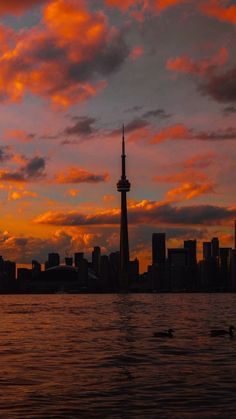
(123, 186)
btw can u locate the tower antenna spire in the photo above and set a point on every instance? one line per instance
(123, 156)
(123, 140)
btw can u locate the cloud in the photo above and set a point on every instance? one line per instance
(65, 58)
(83, 127)
(221, 88)
(32, 170)
(19, 195)
(202, 68)
(156, 113)
(146, 212)
(225, 134)
(73, 192)
(136, 52)
(189, 190)
(24, 249)
(185, 177)
(131, 127)
(5, 153)
(19, 135)
(229, 110)
(135, 108)
(182, 132)
(219, 10)
(76, 175)
(138, 8)
(18, 6)
(199, 161)
(173, 132)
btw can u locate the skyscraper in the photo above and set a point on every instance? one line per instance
(123, 186)
(191, 247)
(234, 234)
(96, 259)
(158, 248)
(215, 247)
(206, 247)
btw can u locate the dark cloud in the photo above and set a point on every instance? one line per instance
(83, 127)
(226, 134)
(156, 113)
(229, 110)
(33, 169)
(222, 88)
(77, 175)
(4, 154)
(110, 59)
(152, 214)
(134, 109)
(132, 126)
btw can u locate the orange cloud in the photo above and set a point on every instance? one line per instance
(61, 58)
(73, 192)
(18, 6)
(185, 177)
(199, 160)
(109, 198)
(189, 190)
(174, 132)
(16, 195)
(76, 175)
(217, 9)
(136, 52)
(139, 7)
(160, 5)
(20, 135)
(185, 64)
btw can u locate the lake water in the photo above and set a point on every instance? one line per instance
(94, 356)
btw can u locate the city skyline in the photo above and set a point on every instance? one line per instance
(167, 71)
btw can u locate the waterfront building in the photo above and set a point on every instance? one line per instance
(158, 248)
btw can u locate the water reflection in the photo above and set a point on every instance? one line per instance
(95, 356)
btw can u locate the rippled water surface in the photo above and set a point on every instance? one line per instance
(94, 356)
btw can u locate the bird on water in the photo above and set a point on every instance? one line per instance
(222, 332)
(168, 334)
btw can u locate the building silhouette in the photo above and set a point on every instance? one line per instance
(158, 248)
(123, 186)
(191, 247)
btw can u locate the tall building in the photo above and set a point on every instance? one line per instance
(215, 246)
(206, 250)
(158, 248)
(177, 257)
(96, 259)
(123, 186)
(234, 234)
(191, 247)
(78, 258)
(53, 260)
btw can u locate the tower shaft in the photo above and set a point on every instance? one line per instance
(124, 237)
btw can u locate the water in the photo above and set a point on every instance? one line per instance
(94, 356)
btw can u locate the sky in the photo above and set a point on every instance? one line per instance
(71, 73)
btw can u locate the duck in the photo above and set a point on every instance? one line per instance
(168, 334)
(222, 332)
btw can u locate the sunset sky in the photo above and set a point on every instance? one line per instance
(71, 73)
